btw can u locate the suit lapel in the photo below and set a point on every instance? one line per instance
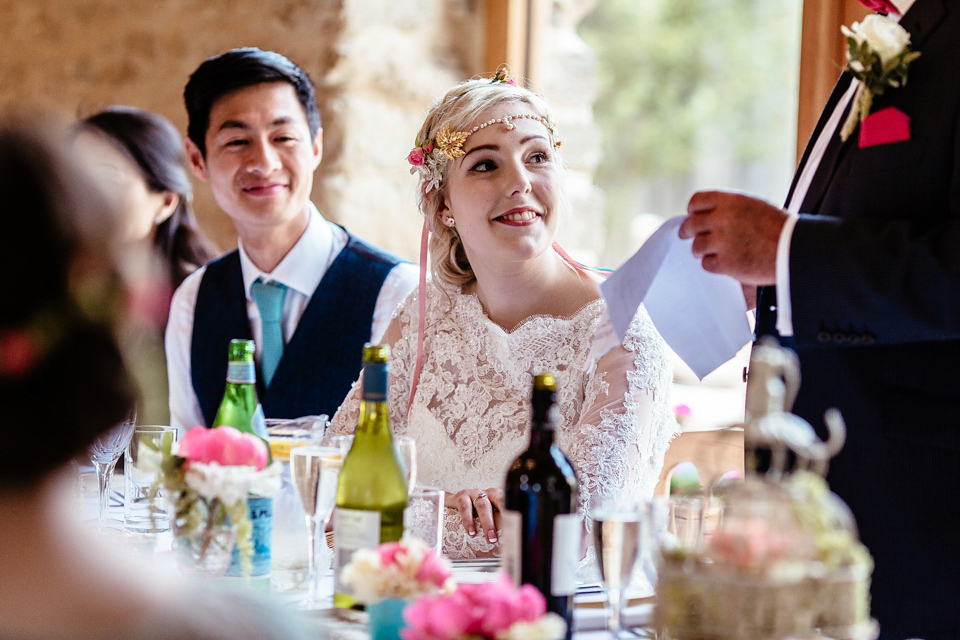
(921, 19)
(831, 155)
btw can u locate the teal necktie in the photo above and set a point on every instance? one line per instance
(269, 299)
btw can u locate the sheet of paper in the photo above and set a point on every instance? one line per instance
(701, 315)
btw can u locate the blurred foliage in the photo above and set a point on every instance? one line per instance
(668, 70)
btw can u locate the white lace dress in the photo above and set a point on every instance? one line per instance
(471, 413)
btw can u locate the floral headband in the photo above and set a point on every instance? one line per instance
(429, 156)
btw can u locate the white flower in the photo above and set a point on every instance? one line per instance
(882, 34)
(547, 627)
(231, 484)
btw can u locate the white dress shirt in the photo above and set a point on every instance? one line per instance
(784, 305)
(300, 271)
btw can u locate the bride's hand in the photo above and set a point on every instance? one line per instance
(482, 504)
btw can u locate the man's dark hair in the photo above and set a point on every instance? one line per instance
(236, 69)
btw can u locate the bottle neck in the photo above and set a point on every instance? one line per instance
(541, 434)
(373, 420)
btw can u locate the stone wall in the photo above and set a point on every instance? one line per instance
(377, 64)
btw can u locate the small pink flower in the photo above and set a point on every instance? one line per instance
(510, 82)
(433, 570)
(428, 146)
(224, 445)
(416, 157)
(681, 411)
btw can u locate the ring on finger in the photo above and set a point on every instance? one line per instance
(481, 494)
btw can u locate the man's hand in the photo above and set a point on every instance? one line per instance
(734, 234)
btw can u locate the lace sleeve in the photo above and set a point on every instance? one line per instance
(345, 419)
(625, 423)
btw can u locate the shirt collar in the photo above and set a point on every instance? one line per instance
(902, 5)
(304, 265)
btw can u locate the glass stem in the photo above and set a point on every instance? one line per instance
(104, 475)
(614, 596)
(311, 560)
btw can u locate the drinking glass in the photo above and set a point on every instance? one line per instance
(618, 535)
(314, 471)
(143, 505)
(424, 516)
(104, 453)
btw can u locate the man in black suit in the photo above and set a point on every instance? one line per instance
(868, 294)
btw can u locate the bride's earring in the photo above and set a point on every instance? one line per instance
(449, 221)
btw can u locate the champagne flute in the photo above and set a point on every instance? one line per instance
(618, 542)
(407, 448)
(105, 450)
(314, 472)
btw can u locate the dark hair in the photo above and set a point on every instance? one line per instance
(62, 377)
(152, 143)
(236, 69)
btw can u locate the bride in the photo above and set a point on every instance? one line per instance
(504, 302)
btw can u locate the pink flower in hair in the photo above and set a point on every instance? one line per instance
(416, 157)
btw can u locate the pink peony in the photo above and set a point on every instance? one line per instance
(433, 570)
(224, 445)
(473, 610)
(416, 157)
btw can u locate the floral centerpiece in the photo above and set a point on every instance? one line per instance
(493, 610)
(207, 477)
(407, 569)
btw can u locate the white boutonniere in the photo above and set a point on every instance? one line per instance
(878, 55)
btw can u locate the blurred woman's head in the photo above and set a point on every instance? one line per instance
(62, 378)
(466, 109)
(141, 155)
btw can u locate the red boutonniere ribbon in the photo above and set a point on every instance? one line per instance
(880, 6)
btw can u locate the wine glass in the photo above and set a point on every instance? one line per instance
(618, 534)
(104, 453)
(314, 471)
(407, 448)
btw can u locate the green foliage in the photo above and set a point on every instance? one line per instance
(675, 74)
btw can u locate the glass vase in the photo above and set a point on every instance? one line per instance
(205, 553)
(386, 619)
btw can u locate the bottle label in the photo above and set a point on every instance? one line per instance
(567, 534)
(353, 529)
(511, 539)
(241, 373)
(261, 519)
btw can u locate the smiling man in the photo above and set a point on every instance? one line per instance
(306, 291)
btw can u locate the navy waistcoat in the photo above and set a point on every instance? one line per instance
(322, 358)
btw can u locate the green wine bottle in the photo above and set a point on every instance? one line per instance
(240, 407)
(372, 492)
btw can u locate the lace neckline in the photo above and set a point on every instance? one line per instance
(474, 301)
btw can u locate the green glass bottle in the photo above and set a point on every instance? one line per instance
(372, 492)
(240, 407)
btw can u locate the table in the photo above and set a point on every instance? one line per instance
(334, 623)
